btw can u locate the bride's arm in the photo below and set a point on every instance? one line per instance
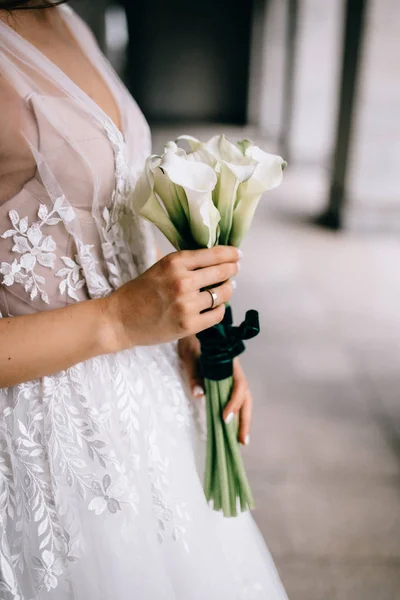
(163, 304)
(35, 345)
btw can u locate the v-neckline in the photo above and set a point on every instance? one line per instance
(79, 92)
(64, 11)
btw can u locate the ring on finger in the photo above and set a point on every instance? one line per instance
(214, 298)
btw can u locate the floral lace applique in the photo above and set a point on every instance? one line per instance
(170, 515)
(111, 497)
(118, 144)
(8, 582)
(34, 248)
(57, 431)
(114, 249)
(97, 284)
(72, 282)
(121, 229)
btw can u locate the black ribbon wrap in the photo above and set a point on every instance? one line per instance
(221, 343)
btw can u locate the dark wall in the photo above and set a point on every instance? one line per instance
(189, 59)
(94, 15)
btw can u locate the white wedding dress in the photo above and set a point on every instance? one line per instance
(100, 492)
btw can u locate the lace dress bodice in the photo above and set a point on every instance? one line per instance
(69, 233)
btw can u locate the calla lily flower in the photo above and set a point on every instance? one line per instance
(146, 204)
(208, 194)
(195, 182)
(175, 194)
(244, 173)
(266, 176)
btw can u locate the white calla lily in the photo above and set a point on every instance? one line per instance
(146, 203)
(266, 176)
(232, 168)
(245, 173)
(175, 194)
(208, 194)
(198, 151)
(197, 180)
(224, 150)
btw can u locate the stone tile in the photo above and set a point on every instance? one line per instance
(283, 315)
(269, 515)
(379, 358)
(343, 519)
(288, 440)
(323, 361)
(372, 581)
(273, 383)
(387, 399)
(307, 579)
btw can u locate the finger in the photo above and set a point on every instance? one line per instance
(213, 275)
(223, 293)
(245, 420)
(197, 387)
(207, 257)
(235, 402)
(209, 318)
(195, 382)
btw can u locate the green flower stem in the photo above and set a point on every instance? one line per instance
(225, 481)
(232, 442)
(224, 392)
(210, 451)
(211, 487)
(243, 502)
(216, 483)
(232, 486)
(220, 446)
(244, 486)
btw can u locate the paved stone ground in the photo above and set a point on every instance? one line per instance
(324, 457)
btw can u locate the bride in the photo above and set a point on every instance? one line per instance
(100, 496)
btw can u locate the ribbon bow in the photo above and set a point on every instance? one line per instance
(221, 343)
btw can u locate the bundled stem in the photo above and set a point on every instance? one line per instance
(225, 481)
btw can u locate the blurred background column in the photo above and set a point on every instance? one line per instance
(94, 13)
(353, 38)
(374, 176)
(189, 61)
(267, 69)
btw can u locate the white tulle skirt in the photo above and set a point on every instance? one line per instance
(100, 493)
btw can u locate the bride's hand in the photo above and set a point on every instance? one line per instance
(240, 402)
(166, 302)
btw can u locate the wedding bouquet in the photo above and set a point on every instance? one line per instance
(198, 199)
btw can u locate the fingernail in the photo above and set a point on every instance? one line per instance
(240, 252)
(234, 284)
(229, 418)
(247, 440)
(238, 266)
(198, 391)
